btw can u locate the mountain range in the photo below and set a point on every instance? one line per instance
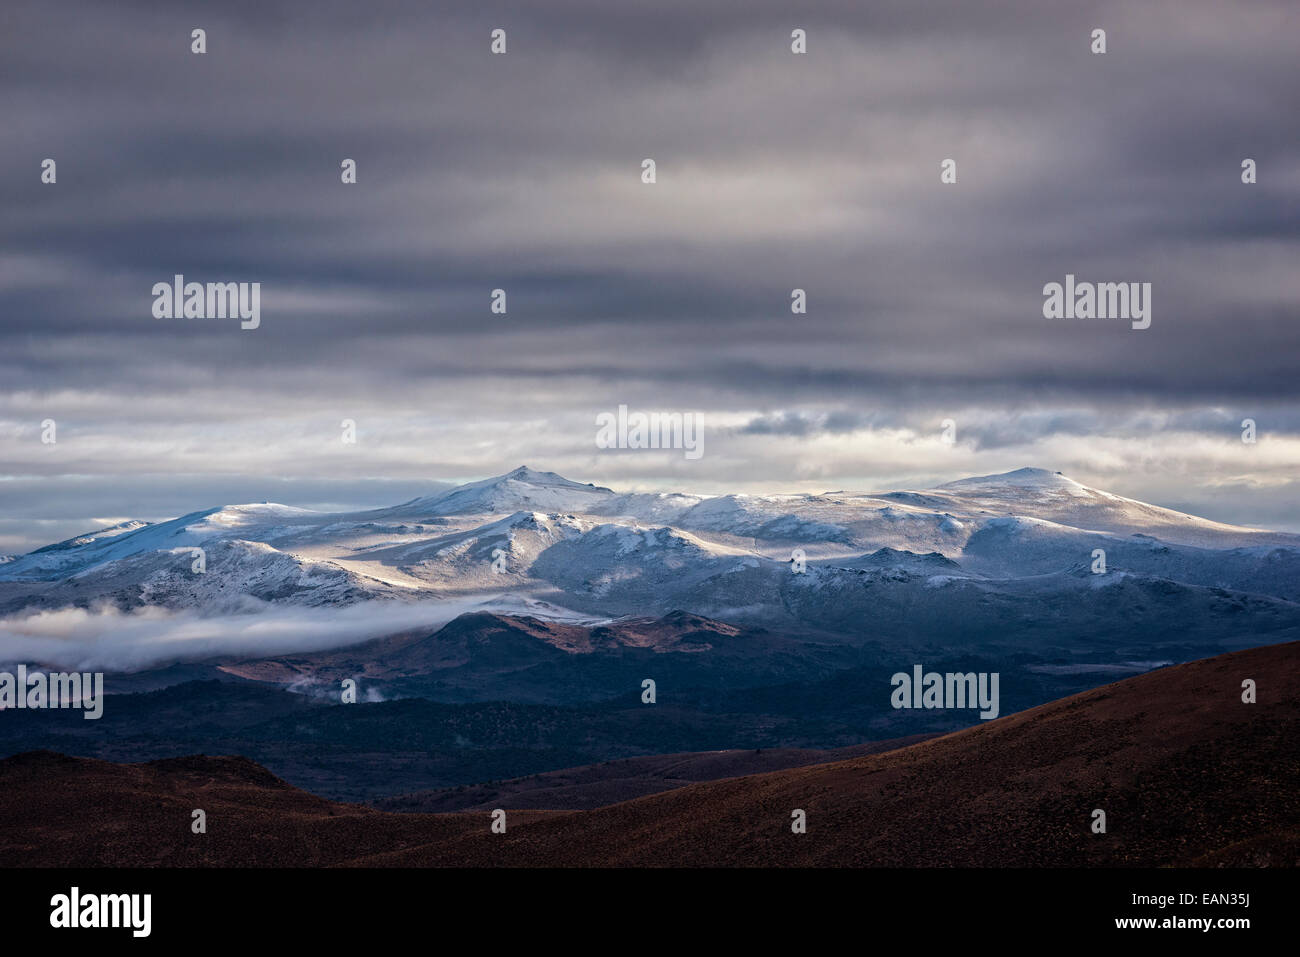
(598, 553)
(764, 622)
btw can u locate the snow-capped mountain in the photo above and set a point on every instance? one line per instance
(522, 489)
(815, 560)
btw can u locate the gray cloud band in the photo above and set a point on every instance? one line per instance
(521, 172)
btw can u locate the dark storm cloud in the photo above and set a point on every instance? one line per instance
(522, 172)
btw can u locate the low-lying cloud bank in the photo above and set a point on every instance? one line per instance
(107, 639)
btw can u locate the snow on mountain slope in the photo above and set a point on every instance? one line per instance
(263, 522)
(825, 526)
(539, 536)
(524, 488)
(794, 517)
(236, 577)
(665, 507)
(1038, 493)
(494, 555)
(634, 564)
(1029, 481)
(1009, 548)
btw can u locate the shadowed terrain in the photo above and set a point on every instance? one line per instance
(610, 782)
(1186, 772)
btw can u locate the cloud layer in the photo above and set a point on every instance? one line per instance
(106, 639)
(522, 172)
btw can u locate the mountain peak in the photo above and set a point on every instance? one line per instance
(531, 476)
(534, 477)
(1028, 477)
(522, 489)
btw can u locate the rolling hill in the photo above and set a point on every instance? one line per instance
(1185, 771)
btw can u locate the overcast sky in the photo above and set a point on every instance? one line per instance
(523, 172)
